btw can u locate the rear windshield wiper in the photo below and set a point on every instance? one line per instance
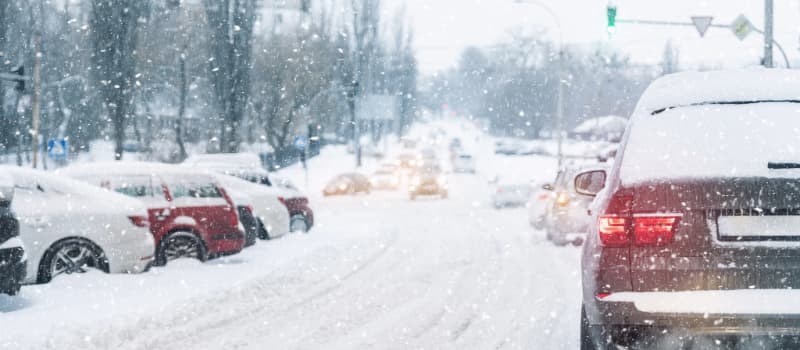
(774, 165)
(661, 110)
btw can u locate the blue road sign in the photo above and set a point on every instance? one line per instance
(300, 142)
(57, 148)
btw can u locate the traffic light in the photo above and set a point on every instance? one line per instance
(611, 12)
(20, 70)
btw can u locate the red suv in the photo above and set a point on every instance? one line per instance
(190, 214)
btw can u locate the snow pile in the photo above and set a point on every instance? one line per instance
(610, 124)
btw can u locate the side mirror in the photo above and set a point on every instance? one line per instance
(547, 187)
(590, 183)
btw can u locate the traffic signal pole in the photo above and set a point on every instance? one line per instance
(768, 40)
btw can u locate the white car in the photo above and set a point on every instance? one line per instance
(541, 198)
(464, 163)
(266, 204)
(383, 179)
(70, 227)
(511, 195)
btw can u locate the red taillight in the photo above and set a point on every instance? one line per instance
(139, 221)
(283, 200)
(654, 230)
(234, 218)
(613, 231)
(600, 295)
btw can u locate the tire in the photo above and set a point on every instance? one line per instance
(298, 223)
(180, 244)
(72, 255)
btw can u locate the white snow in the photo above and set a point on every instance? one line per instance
(721, 302)
(687, 88)
(604, 125)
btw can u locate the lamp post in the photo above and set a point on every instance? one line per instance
(559, 75)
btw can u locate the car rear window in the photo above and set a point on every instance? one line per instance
(193, 188)
(713, 141)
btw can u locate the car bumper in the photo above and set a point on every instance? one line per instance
(132, 256)
(226, 243)
(748, 312)
(427, 189)
(13, 266)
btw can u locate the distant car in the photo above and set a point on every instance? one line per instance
(428, 181)
(70, 227)
(384, 179)
(406, 161)
(541, 199)
(12, 249)
(347, 184)
(464, 163)
(270, 217)
(508, 147)
(511, 195)
(567, 220)
(190, 214)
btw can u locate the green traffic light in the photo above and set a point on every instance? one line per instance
(611, 11)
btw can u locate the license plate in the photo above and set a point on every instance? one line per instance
(759, 227)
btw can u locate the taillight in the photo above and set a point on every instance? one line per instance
(613, 231)
(282, 200)
(648, 229)
(139, 221)
(234, 218)
(654, 229)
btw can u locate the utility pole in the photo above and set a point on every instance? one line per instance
(560, 107)
(768, 33)
(37, 91)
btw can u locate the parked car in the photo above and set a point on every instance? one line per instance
(464, 163)
(190, 214)
(384, 179)
(511, 194)
(13, 258)
(296, 202)
(70, 227)
(270, 217)
(244, 208)
(696, 231)
(566, 220)
(428, 181)
(344, 184)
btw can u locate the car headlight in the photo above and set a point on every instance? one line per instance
(342, 187)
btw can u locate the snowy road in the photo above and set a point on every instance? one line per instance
(378, 272)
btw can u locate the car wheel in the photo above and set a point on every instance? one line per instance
(70, 256)
(179, 245)
(298, 223)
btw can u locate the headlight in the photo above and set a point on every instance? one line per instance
(342, 187)
(562, 199)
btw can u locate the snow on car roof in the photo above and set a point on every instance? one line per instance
(238, 159)
(609, 123)
(127, 168)
(690, 88)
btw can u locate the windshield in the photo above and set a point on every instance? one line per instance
(414, 174)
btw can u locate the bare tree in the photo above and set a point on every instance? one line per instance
(114, 26)
(231, 26)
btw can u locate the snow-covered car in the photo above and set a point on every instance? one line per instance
(428, 181)
(13, 259)
(244, 208)
(234, 160)
(190, 214)
(566, 220)
(541, 199)
(266, 205)
(296, 202)
(406, 160)
(384, 179)
(696, 230)
(344, 184)
(464, 163)
(70, 227)
(511, 194)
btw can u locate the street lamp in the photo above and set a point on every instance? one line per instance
(559, 74)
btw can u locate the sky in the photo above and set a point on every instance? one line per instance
(443, 28)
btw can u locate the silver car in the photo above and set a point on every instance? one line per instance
(566, 219)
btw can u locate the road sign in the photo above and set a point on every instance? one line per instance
(57, 148)
(702, 23)
(741, 27)
(300, 142)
